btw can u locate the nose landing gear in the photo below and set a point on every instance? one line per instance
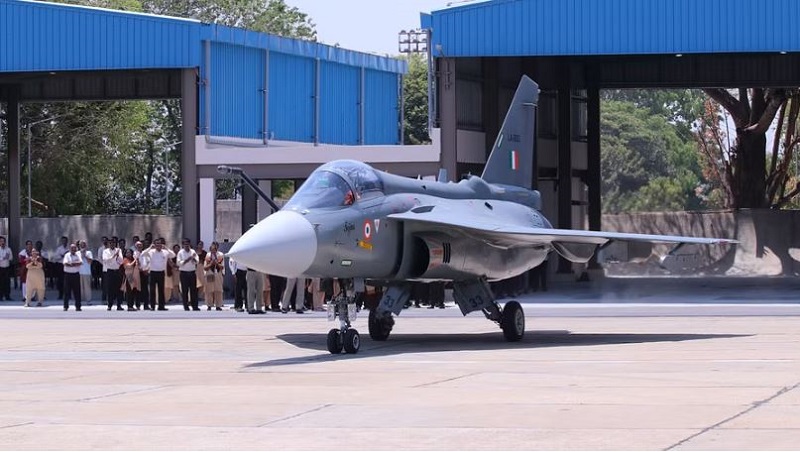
(344, 337)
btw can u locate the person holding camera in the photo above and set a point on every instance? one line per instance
(35, 278)
(214, 271)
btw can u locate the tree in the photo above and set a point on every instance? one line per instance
(272, 16)
(747, 177)
(128, 153)
(645, 164)
(415, 101)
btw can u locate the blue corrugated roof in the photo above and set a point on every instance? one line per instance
(613, 27)
(39, 36)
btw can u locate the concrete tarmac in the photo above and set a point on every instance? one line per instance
(721, 375)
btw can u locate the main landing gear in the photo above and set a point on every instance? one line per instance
(345, 337)
(476, 295)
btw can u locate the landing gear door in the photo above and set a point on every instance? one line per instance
(472, 295)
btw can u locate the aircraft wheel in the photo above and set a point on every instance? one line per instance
(335, 341)
(513, 321)
(352, 341)
(379, 326)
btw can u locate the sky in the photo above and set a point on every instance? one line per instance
(366, 25)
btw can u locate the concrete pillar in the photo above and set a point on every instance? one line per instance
(208, 210)
(14, 212)
(191, 228)
(263, 209)
(448, 117)
(249, 208)
(564, 165)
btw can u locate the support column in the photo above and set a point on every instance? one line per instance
(564, 163)
(249, 208)
(491, 100)
(14, 211)
(208, 210)
(448, 117)
(263, 210)
(593, 148)
(593, 145)
(191, 200)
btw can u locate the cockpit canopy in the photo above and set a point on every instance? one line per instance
(337, 184)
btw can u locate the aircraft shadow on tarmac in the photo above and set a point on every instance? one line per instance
(399, 344)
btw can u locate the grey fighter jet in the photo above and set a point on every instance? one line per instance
(349, 220)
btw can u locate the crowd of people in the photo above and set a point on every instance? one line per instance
(148, 275)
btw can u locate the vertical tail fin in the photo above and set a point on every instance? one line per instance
(511, 159)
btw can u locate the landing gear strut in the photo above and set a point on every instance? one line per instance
(344, 337)
(476, 295)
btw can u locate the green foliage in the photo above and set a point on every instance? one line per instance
(646, 164)
(272, 16)
(415, 98)
(681, 107)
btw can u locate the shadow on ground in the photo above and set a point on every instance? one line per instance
(399, 344)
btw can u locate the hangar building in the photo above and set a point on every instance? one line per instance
(277, 107)
(574, 49)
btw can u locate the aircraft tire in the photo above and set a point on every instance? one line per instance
(352, 341)
(379, 327)
(513, 321)
(335, 341)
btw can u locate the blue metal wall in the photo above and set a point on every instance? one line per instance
(339, 103)
(49, 37)
(614, 27)
(291, 97)
(237, 85)
(382, 121)
(37, 36)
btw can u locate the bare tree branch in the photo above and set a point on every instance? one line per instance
(776, 99)
(730, 104)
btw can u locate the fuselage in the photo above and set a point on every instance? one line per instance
(348, 205)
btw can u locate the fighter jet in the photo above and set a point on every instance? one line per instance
(349, 220)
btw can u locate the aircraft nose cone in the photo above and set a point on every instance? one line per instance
(283, 244)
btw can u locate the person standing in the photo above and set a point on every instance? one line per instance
(101, 270)
(85, 272)
(112, 260)
(72, 278)
(23, 258)
(6, 256)
(58, 266)
(143, 268)
(240, 284)
(201, 256)
(214, 267)
(255, 292)
(187, 261)
(294, 286)
(34, 278)
(130, 279)
(160, 258)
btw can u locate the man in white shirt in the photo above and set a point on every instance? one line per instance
(187, 264)
(86, 272)
(100, 249)
(72, 279)
(239, 272)
(6, 255)
(158, 259)
(58, 266)
(112, 259)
